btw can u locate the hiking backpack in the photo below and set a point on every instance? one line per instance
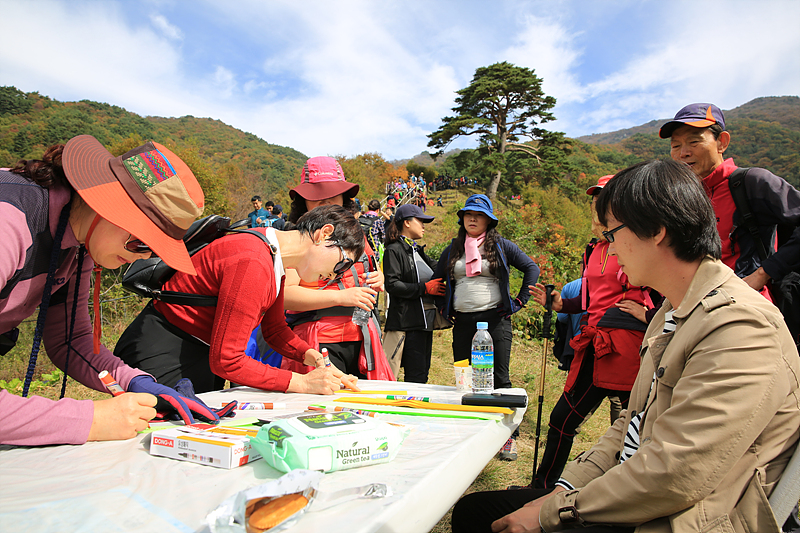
(145, 277)
(786, 293)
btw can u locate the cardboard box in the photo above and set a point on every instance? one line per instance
(220, 446)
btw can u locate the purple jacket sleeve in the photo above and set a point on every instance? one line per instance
(84, 365)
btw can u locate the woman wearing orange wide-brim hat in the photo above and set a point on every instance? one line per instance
(77, 207)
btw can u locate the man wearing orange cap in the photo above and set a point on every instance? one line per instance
(698, 138)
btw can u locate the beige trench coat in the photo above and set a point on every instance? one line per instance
(718, 428)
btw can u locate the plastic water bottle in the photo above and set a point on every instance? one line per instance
(361, 316)
(482, 360)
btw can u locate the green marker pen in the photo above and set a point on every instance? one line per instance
(418, 398)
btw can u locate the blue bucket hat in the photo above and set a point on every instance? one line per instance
(479, 203)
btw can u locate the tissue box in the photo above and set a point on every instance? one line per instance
(328, 442)
(223, 447)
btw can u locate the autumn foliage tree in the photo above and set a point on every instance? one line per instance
(504, 106)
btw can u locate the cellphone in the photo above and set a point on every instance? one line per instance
(496, 399)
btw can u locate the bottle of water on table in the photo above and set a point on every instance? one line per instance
(482, 360)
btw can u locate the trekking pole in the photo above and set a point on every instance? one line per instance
(548, 310)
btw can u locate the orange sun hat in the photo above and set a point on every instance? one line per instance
(149, 192)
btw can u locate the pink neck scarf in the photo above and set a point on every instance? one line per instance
(472, 255)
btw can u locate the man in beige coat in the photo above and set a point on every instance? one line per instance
(714, 415)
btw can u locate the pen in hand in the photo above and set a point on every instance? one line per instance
(110, 383)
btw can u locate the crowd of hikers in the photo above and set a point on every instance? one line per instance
(685, 315)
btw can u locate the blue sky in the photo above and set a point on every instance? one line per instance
(347, 77)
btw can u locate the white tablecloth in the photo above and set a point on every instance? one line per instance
(120, 487)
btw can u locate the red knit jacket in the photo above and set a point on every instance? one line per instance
(238, 269)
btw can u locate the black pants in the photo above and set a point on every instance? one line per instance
(569, 413)
(152, 344)
(417, 356)
(345, 356)
(474, 513)
(466, 324)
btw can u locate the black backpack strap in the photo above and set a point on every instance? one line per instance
(202, 300)
(740, 200)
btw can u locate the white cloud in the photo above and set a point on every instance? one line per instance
(225, 82)
(88, 51)
(170, 31)
(548, 47)
(357, 76)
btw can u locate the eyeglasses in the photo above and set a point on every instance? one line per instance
(609, 235)
(136, 246)
(343, 265)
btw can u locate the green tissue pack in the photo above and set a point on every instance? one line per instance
(328, 442)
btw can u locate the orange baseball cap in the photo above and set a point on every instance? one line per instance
(149, 192)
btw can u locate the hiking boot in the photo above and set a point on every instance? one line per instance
(509, 450)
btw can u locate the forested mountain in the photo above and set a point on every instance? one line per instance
(231, 165)
(765, 132)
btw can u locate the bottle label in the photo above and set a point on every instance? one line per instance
(482, 359)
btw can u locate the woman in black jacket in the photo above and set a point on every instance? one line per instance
(408, 273)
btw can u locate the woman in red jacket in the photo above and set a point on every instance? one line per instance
(207, 344)
(606, 352)
(322, 312)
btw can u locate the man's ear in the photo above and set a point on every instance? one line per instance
(660, 237)
(326, 231)
(723, 141)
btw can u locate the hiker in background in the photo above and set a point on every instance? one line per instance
(275, 220)
(59, 216)
(694, 451)
(698, 138)
(259, 215)
(412, 312)
(207, 343)
(606, 354)
(374, 228)
(477, 266)
(321, 311)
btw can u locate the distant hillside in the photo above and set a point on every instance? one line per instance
(232, 165)
(426, 160)
(783, 110)
(765, 132)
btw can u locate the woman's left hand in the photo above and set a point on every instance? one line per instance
(313, 358)
(375, 280)
(634, 309)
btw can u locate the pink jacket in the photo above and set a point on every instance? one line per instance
(36, 420)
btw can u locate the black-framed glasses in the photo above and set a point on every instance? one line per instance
(343, 265)
(609, 235)
(136, 246)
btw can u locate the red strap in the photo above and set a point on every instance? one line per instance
(97, 327)
(96, 301)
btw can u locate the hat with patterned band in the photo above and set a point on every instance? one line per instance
(149, 192)
(322, 178)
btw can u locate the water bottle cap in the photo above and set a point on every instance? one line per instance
(483, 325)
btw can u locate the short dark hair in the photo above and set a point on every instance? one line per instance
(665, 194)
(277, 209)
(347, 230)
(254, 198)
(715, 130)
(374, 205)
(269, 203)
